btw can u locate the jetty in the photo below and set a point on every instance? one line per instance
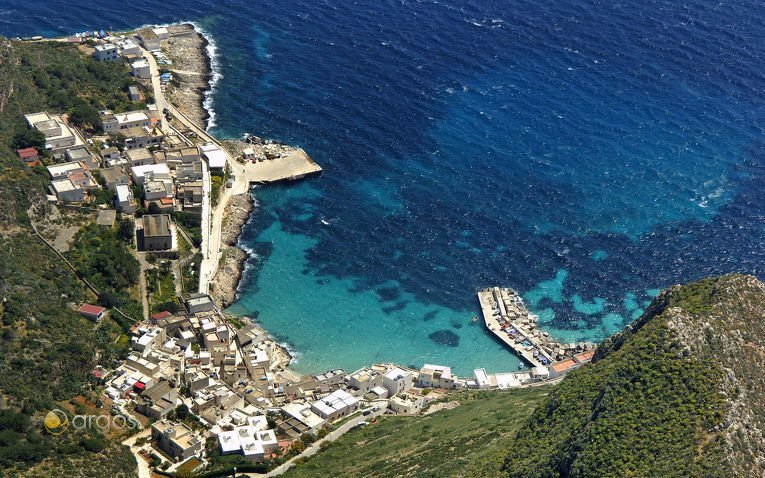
(506, 316)
(294, 165)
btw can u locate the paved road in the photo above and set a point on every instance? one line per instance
(315, 447)
(206, 269)
(156, 84)
(143, 467)
(211, 218)
(211, 246)
(143, 289)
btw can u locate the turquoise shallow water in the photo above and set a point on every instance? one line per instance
(357, 326)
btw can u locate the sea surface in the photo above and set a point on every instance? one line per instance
(585, 153)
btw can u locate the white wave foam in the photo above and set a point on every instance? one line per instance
(215, 74)
(212, 55)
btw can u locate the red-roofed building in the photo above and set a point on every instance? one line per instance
(92, 312)
(584, 357)
(161, 315)
(30, 156)
(560, 368)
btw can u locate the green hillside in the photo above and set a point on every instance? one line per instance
(465, 441)
(679, 395)
(47, 349)
(644, 409)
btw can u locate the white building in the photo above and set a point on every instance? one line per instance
(161, 33)
(436, 376)
(141, 69)
(378, 393)
(58, 135)
(149, 39)
(185, 155)
(114, 123)
(198, 302)
(216, 157)
(157, 189)
(304, 416)
(66, 191)
(152, 172)
(176, 439)
(509, 379)
(148, 340)
(106, 52)
(249, 154)
(63, 170)
(259, 358)
(110, 153)
(82, 155)
(139, 157)
(397, 380)
(124, 200)
(255, 445)
(364, 380)
(406, 404)
(129, 47)
(481, 378)
(335, 405)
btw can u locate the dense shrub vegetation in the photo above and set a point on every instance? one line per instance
(47, 349)
(647, 407)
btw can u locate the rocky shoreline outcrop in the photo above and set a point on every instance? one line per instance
(192, 68)
(226, 281)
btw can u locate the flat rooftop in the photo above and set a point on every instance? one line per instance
(156, 225)
(106, 217)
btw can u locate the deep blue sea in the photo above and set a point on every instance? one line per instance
(585, 153)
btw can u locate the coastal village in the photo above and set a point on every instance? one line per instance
(198, 382)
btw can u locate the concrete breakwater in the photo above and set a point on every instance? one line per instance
(507, 317)
(268, 161)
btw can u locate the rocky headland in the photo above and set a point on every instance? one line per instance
(192, 70)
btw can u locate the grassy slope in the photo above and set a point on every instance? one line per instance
(461, 442)
(47, 349)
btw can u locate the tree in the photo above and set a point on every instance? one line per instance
(182, 411)
(298, 446)
(169, 306)
(28, 138)
(108, 299)
(118, 141)
(126, 230)
(85, 116)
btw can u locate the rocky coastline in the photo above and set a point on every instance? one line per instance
(192, 70)
(226, 281)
